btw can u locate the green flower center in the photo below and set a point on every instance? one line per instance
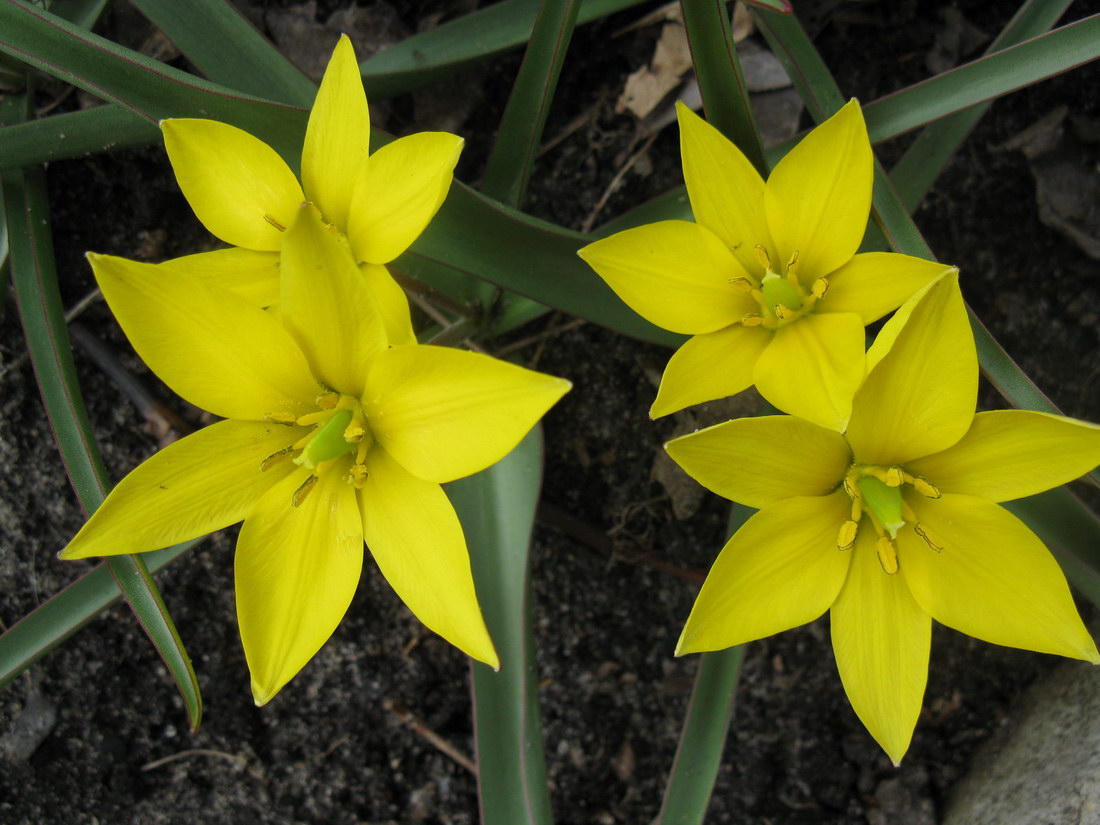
(338, 428)
(781, 297)
(876, 492)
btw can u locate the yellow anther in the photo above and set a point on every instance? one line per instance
(893, 477)
(930, 538)
(309, 419)
(925, 487)
(274, 223)
(847, 535)
(743, 284)
(328, 400)
(275, 458)
(752, 320)
(762, 256)
(819, 288)
(303, 491)
(281, 418)
(355, 430)
(357, 475)
(887, 555)
(782, 312)
(792, 272)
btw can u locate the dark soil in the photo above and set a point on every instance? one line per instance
(115, 747)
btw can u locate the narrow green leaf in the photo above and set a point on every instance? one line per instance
(228, 49)
(497, 509)
(721, 81)
(35, 279)
(927, 156)
(986, 78)
(475, 236)
(149, 88)
(83, 13)
(433, 54)
(509, 166)
(706, 725)
(59, 617)
(73, 135)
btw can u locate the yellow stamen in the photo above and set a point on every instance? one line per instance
(328, 400)
(275, 458)
(357, 475)
(894, 477)
(930, 538)
(819, 288)
(281, 418)
(847, 535)
(752, 320)
(792, 271)
(743, 284)
(887, 555)
(274, 223)
(303, 491)
(762, 256)
(924, 487)
(309, 419)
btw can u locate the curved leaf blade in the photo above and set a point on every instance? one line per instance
(497, 509)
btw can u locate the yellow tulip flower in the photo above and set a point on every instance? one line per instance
(893, 523)
(767, 279)
(332, 437)
(247, 196)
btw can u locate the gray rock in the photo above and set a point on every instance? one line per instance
(1044, 768)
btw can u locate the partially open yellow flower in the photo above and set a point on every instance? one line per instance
(766, 280)
(332, 437)
(893, 523)
(247, 196)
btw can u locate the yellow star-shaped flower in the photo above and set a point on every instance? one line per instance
(893, 523)
(332, 437)
(767, 279)
(247, 196)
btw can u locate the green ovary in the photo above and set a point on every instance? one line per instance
(778, 291)
(328, 441)
(884, 502)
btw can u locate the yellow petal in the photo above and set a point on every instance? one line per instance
(403, 186)
(414, 535)
(1009, 454)
(238, 186)
(337, 137)
(759, 461)
(782, 569)
(445, 413)
(819, 196)
(194, 486)
(874, 283)
(993, 578)
(726, 192)
(922, 384)
(392, 303)
(327, 306)
(881, 639)
(252, 275)
(676, 274)
(813, 367)
(214, 348)
(296, 570)
(710, 366)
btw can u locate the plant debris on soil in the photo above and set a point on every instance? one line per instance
(377, 728)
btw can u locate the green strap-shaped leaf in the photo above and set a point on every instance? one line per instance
(151, 89)
(509, 166)
(228, 50)
(706, 724)
(60, 616)
(35, 279)
(73, 135)
(497, 509)
(433, 54)
(721, 81)
(937, 143)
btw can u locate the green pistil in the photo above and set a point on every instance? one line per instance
(779, 292)
(328, 441)
(884, 502)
